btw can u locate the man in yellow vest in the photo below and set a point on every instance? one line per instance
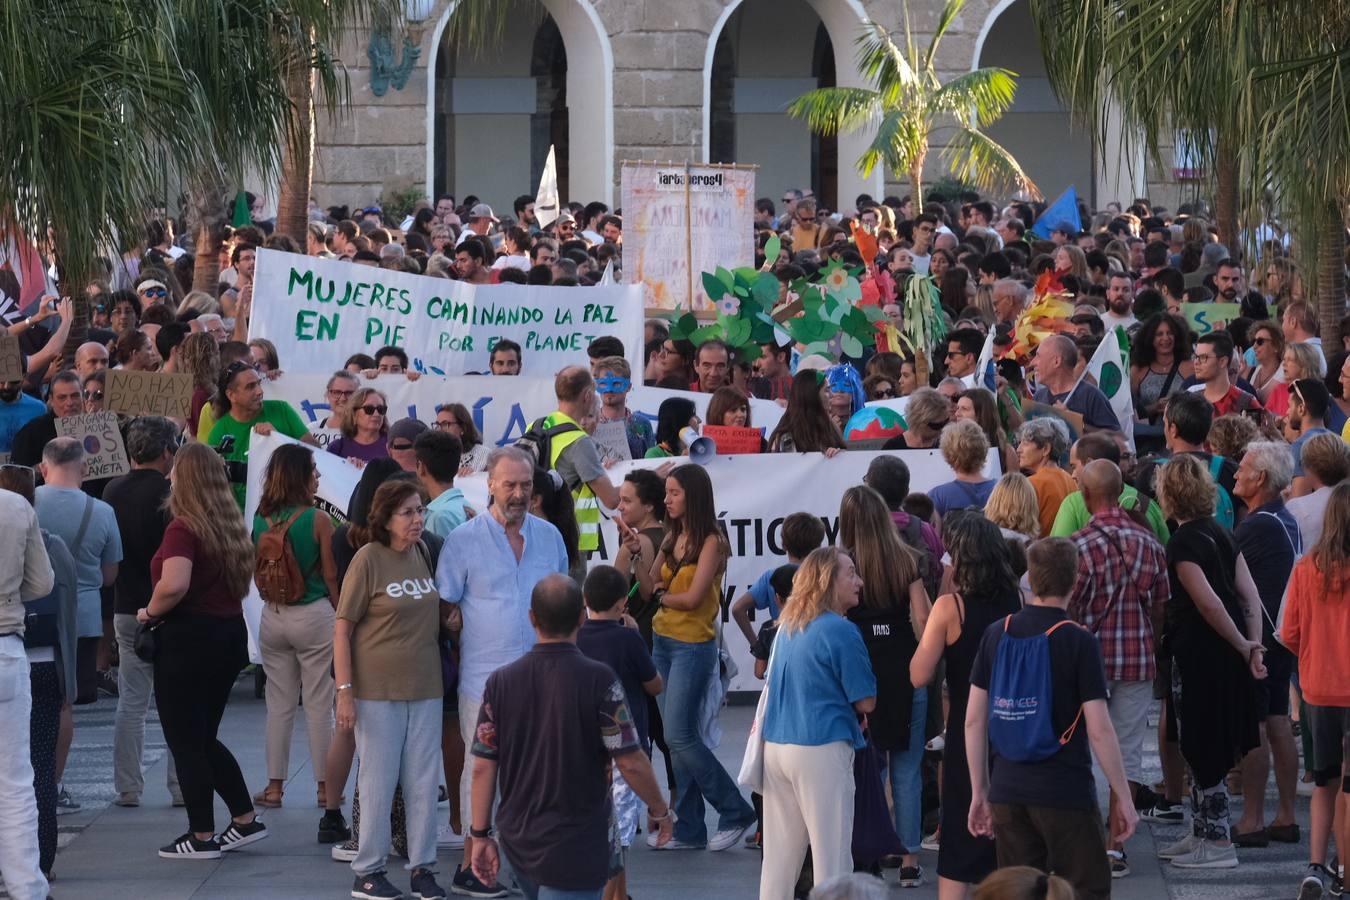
(575, 456)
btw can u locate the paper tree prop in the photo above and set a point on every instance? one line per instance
(922, 325)
(821, 315)
(1048, 314)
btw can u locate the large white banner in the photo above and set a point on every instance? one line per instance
(502, 407)
(673, 232)
(320, 311)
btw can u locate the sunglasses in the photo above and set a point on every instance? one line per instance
(154, 292)
(1260, 342)
(402, 445)
(884, 394)
(371, 409)
(94, 395)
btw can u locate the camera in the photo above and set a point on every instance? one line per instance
(236, 472)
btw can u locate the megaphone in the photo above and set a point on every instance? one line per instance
(701, 449)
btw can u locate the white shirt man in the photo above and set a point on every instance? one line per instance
(1119, 302)
(481, 221)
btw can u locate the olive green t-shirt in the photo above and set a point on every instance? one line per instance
(391, 598)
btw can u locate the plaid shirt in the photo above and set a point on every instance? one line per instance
(1118, 560)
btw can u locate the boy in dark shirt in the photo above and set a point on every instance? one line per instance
(1044, 813)
(780, 581)
(605, 638)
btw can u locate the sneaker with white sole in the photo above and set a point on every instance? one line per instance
(1164, 813)
(1179, 848)
(673, 844)
(127, 800)
(64, 804)
(1315, 882)
(448, 838)
(375, 886)
(344, 852)
(188, 847)
(931, 841)
(728, 837)
(910, 877)
(1120, 864)
(937, 744)
(467, 884)
(1208, 855)
(424, 886)
(237, 835)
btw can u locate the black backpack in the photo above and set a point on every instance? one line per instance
(929, 569)
(538, 440)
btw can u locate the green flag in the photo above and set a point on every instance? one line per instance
(242, 214)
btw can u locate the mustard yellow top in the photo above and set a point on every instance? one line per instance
(692, 626)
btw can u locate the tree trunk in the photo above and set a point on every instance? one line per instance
(208, 215)
(75, 276)
(1226, 193)
(916, 183)
(1331, 277)
(297, 157)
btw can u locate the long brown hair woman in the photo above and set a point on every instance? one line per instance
(200, 576)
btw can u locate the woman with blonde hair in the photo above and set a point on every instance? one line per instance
(1013, 507)
(263, 354)
(819, 680)
(1301, 360)
(365, 428)
(1070, 260)
(1316, 628)
(200, 575)
(1230, 435)
(199, 356)
(1023, 883)
(1212, 631)
(892, 611)
(966, 449)
(199, 302)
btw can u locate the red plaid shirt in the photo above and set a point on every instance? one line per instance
(1121, 562)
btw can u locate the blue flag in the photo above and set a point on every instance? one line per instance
(1063, 210)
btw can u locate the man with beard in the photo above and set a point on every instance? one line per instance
(17, 409)
(1119, 302)
(488, 569)
(66, 398)
(1228, 281)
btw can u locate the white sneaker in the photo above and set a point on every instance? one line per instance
(1208, 855)
(673, 844)
(448, 838)
(344, 852)
(932, 841)
(728, 838)
(1180, 848)
(937, 744)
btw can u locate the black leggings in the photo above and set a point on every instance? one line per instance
(43, 724)
(197, 663)
(656, 730)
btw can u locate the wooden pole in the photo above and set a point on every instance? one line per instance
(689, 235)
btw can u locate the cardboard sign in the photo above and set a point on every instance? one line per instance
(611, 435)
(1206, 317)
(730, 439)
(148, 393)
(105, 455)
(11, 359)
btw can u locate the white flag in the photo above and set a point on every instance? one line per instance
(1107, 366)
(606, 277)
(546, 201)
(985, 370)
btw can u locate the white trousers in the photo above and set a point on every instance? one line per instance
(808, 801)
(18, 806)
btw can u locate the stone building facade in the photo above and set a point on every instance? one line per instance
(697, 80)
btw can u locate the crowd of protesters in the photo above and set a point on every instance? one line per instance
(1196, 573)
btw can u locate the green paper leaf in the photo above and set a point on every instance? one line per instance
(772, 247)
(737, 332)
(765, 289)
(714, 287)
(726, 277)
(751, 352)
(705, 334)
(851, 346)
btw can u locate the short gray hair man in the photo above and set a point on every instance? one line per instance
(1273, 460)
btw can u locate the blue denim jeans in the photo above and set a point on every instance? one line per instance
(906, 781)
(534, 891)
(687, 670)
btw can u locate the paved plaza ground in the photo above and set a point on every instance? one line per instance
(109, 853)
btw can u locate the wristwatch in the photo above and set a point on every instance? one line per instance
(480, 834)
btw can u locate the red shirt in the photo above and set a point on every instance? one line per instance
(206, 594)
(1236, 400)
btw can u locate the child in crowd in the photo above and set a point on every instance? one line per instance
(801, 533)
(605, 639)
(780, 582)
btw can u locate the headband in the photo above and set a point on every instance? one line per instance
(151, 283)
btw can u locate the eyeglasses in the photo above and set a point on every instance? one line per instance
(372, 410)
(402, 445)
(1202, 357)
(342, 394)
(445, 426)
(789, 199)
(951, 353)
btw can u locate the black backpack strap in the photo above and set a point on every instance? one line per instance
(84, 525)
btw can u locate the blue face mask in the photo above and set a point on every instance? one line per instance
(612, 384)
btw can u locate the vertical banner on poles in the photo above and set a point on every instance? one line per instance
(680, 220)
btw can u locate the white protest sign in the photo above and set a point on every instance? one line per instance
(105, 455)
(666, 222)
(502, 407)
(612, 437)
(337, 479)
(319, 311)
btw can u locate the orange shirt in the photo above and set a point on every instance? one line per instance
(1052, 484)
(1316, 629)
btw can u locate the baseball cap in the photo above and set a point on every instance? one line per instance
(406, 429)
(372, 209)
(482, 211)
(567, 217)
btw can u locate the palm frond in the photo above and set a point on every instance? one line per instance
(950, 10)
(830, 111)
(883, 64)
(986, 92)
(980, 160)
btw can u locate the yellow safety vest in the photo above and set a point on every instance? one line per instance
(583, 498)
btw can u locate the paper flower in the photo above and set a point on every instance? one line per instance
(729, 305)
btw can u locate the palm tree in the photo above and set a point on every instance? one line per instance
(908, 102)
(1259, 87)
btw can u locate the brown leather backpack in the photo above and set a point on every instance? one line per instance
(276, 570)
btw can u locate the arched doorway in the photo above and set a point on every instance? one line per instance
(763, 54)
(494, 112)
(1036, 129)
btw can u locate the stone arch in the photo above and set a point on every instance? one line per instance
(842, 21)
(589, 92)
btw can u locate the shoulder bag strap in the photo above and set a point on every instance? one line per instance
(1120, 584)
(1171, 376)
(84, 525)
